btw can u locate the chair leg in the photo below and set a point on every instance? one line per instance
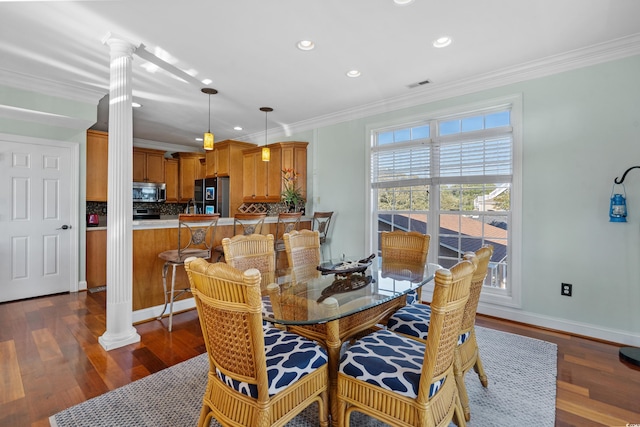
(165, 268)
(463, 398)
(173, 289)
(480, 371)
(459, 418)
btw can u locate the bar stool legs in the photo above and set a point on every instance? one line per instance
(169, 296)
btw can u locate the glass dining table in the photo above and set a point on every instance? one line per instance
(339, 303)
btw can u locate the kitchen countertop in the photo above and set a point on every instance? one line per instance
(171, 221)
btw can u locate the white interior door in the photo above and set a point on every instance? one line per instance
(37, 225)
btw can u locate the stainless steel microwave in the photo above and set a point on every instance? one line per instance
(149, 192)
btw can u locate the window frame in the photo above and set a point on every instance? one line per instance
(511, 297)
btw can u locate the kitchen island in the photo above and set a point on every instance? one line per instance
(150, 237)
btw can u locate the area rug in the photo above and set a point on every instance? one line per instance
(522, 391)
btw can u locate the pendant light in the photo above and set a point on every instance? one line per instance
(266, 152)
(208, 136)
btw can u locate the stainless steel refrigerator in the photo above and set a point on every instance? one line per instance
(212, 195)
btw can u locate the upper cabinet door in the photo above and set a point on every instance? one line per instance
(97, 165)
(148, 165)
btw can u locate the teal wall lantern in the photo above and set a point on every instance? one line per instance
(618, 207)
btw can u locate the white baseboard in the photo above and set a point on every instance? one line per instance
(151, 313)
(564, 325)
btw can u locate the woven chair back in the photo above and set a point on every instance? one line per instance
(250, 251)
(406, 246)
(230, 309)
(302, 248)
(483, 256)
(248, 223)
(196, 232)
(450, 295)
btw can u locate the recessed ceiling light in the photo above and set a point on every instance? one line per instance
(442, 42)
(353, 73)
(136, 105)
(199, 139)
(207, 82)
(237, 128)
(402, 2)
(306, 45)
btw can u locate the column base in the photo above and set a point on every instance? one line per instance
(109, 341)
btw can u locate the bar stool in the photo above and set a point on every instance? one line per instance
(287, 222)
(196, 233)
(243, 224)
(321, 222)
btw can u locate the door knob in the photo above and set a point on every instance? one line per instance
(64, 227)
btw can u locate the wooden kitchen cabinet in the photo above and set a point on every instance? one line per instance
(172, 179)
(262, 181)
(97, 165)
(226, 158)
(148, 165)
(191, 167)
(96, 258)
(294, 156)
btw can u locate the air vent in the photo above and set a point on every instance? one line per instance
(422, 83)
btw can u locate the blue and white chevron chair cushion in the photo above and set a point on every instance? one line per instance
(412, 297)
(389, 361)
(267, 311)
(289, 358)
(414, 320)
(411, 320)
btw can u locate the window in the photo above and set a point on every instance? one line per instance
(452, 176)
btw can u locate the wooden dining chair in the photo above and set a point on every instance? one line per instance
(303, 254)
(402, 381)
(302, 248)
(405, 246)
(253, 251)
(414, 322)
(257, 376)
(196, 234)
(287, 222)
(250, 251)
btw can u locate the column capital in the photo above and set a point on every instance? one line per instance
(119, 46)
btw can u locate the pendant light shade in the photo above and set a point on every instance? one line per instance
(208, 136)
(266, 152)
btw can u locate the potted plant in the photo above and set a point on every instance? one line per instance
(291, 194)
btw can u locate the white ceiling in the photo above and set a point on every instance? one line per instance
(248, 49)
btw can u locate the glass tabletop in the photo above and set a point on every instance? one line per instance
(307, 295)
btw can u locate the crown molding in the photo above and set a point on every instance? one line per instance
(575, 59)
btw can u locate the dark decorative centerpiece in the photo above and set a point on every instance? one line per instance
(349, 276)
(345, 268)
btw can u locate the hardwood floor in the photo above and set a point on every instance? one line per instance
(51, 359)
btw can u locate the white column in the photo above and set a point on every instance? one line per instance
(120, 330)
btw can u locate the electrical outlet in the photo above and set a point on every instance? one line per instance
(566, 289)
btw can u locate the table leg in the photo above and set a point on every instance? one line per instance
(333, 350)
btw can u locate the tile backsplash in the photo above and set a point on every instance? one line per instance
(272, 209)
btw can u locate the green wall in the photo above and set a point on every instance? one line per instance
(581, 129)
